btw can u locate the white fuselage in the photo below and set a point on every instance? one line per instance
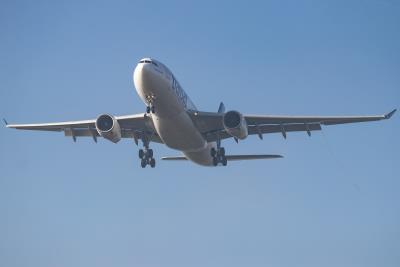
(157, 87)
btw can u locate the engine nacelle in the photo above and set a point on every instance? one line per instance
(235, 124)
(108, 127)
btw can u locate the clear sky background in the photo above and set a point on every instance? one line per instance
(332, 201)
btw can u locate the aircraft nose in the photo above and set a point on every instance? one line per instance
(146, 78)
(142, 73)
(141, 68)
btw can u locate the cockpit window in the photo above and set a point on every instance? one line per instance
(148, 61)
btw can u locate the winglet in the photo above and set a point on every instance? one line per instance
(5, 122)
(390, 114)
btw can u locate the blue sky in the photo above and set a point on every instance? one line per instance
(332, 201)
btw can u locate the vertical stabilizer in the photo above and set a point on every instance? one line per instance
(221, 108)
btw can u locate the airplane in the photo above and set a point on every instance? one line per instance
(172, 119)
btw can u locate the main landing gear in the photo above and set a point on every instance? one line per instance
(146, 154)
(218, 156)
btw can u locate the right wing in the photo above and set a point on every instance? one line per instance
(211, 126)
(132, 126)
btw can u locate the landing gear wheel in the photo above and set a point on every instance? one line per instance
(153, 109)
(224, 161)
(148, 109)
(146, 156)
(213, 152)
(141, 153)
(152, 162)
(143, 163)
(215, 161)
(222, 151)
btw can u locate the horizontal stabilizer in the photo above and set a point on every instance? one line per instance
(232, 157)
(174, 158)
(249, 157)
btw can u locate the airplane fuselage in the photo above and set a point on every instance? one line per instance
(158, 88)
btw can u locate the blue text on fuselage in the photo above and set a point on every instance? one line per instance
(179, 92)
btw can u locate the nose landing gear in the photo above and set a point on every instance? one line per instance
(150, 108)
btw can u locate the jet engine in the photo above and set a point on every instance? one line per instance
(108, 127)
(235, 124)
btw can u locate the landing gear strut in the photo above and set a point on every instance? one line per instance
(150, 108)
(218, 156)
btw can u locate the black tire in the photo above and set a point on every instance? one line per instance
(153, 109)
(141, 153)
(224, 161)
(150, 153)
(215, 161)
(213, 152)
(143, 163)
(222, 151)
(148, 109)
(152, 162)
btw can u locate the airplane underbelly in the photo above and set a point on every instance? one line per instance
(178, 132)
(203, 156)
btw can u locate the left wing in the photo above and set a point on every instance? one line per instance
(211, 126)
(132, 126)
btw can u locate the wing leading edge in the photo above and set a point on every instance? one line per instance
(324, 120)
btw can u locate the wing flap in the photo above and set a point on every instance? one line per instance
(80, 132)
(298, 127)
(266, 129)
